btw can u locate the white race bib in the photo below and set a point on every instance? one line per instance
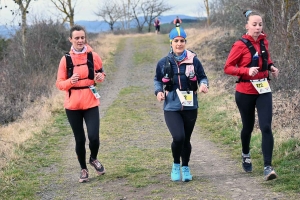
(185, 98)
(261, 85)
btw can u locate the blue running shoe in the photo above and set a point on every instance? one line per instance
(246, 163)
(175, 174)
(269, 173)
(186, 174)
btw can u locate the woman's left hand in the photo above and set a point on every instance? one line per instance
(99, 76)
(274, 71)
(203, 88)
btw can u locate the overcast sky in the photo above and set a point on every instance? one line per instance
(84, 10)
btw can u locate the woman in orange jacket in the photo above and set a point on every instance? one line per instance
(77, 73)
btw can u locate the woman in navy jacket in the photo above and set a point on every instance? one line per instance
(179, 77)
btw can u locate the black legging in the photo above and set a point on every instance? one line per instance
(263, 103)
(181, 125)
(92, 121)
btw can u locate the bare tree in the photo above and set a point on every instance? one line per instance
(145, 11)
(65, 6)
(126, 15)
(110, 12)
(207, 11)
(136, 12)
(23, 7)
(152, 9)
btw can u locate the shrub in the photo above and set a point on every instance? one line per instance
(30, 72)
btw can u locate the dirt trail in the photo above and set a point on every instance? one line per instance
(218, 175)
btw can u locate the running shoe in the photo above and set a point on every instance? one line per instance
(175, 174)
(186, 174)
(269, 173)
(246, 163)
(84, 176)
(98, 166)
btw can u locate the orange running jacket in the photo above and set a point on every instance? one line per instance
(79, 99)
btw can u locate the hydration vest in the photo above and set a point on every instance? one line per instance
(263, 54)
(90, 64)
(168, 78)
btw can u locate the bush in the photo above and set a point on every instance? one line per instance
(3, 47)
(30, 72)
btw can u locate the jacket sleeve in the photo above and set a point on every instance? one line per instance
(234, 57)
(98, 65)
(62, 82)
(158, 85)
(202, 78)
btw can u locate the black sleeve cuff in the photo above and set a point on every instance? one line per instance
(157, 91)
(269, 66)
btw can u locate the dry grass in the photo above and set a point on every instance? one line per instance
(32, 122)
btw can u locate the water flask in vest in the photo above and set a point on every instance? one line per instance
(254, 62)
(166, 79)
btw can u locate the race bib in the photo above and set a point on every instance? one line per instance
(94, 91)
(261, 85)
(186, 98)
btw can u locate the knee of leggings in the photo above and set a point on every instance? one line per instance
(80, 142)
(266, 129)
(178, 140)
(247, 131)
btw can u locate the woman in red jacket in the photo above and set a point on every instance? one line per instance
(77, 73)
(251, 65)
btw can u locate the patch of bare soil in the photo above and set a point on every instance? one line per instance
(215, 174)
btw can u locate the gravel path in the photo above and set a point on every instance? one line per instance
(218, 175)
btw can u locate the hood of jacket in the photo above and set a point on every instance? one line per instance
(89, 49)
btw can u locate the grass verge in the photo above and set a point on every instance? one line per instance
(21, 178)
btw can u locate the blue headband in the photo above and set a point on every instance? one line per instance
(248, 13)
(175, 32)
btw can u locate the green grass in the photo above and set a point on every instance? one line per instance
(21, 178)
(146, 50)
(226, 131)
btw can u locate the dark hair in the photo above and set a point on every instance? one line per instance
(249, 13)
(77, 28)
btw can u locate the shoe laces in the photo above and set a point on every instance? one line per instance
(185, 169)
(84, 173)
(247, 160)
(268, 168)
(97, 164)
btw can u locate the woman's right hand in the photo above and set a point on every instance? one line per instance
(160, 96)
(74, 78)
(253, 71)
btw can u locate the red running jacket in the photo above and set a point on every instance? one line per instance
(238, 60)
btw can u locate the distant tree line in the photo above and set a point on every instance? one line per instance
(142, 12)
